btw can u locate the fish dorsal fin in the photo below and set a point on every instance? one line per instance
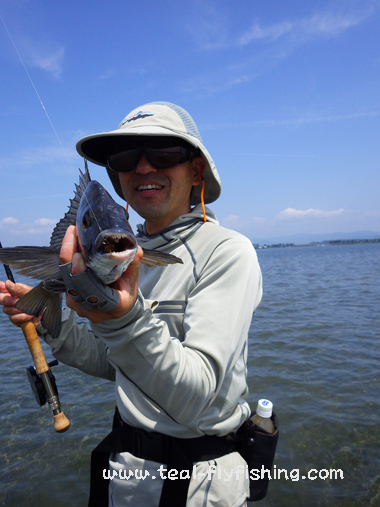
(71, 216)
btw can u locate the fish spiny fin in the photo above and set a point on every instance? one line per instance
(71, 216)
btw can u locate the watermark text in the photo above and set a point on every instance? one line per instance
(240, 471)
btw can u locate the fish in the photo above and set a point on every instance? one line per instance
(105, 240)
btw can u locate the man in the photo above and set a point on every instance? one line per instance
(176, 345)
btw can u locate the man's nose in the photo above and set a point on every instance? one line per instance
(143, 166)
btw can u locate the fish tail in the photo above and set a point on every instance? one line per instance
(40, 301)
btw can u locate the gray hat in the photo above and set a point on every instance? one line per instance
(154, 119)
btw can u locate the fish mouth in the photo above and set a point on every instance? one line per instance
(115, 244)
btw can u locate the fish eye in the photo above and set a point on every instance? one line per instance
(86, 220)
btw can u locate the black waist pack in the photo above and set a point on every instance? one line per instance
(176, 453)
(258, 448)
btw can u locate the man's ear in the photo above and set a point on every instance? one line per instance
(198, 168)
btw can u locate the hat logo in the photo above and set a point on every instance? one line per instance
(137, 116)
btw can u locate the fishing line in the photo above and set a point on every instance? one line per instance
(92, 211)
(35, 89)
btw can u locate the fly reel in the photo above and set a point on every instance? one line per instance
(37, 384)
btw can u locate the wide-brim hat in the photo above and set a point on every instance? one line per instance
(154, 119)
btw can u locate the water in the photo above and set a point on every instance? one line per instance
(314, 352)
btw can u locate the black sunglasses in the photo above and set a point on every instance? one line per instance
(161, 153)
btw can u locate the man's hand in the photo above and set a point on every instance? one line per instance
(126, 285)
(10, 293)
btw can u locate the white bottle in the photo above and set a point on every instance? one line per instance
(263, 415)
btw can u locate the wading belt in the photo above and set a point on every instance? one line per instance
(177, 453)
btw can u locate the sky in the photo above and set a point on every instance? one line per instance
(285, 96)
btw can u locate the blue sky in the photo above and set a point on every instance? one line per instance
(285, 95)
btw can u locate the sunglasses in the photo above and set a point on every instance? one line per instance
(161, 153)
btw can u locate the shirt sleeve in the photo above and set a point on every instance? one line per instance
(78, 346)
(216, 323)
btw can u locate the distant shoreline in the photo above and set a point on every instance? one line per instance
(336, 242)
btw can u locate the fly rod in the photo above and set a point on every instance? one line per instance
(61, 423)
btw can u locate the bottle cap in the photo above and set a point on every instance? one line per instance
(264, 408)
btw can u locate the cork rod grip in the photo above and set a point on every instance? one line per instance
(35, 348)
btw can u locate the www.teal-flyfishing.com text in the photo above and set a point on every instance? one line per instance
(254, 474)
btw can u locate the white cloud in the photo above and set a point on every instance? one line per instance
(211, 30)
(261, 47)
(211, 27)
(239, 224)
(51, 61)
(295, 221)
(295, 122)
(49, 155)
(270, 33)
(107, 74)
(9, 221)
(45, 222)
(290, 216)
(297, 214)
(316, 119)
(21, 233)
(42, 53)
(326, 24)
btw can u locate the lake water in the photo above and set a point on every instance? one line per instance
(314, 351)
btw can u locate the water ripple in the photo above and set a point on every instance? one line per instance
(314, 351)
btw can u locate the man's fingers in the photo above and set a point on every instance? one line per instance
(11, 310)
(69, 251)
(17, 289)
(14, 292)
(134, 267)
(73, 305)
(10, 294)
(69, 245)
(139, 255)
(130, 278)
(128, 283)
(78, 265)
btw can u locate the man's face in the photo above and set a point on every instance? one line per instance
(161, 195)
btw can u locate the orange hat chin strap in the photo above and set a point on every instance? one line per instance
(126, 207)
(202, 200)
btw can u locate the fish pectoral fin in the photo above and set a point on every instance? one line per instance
(40, 301)
(39, 262)
(154, 258)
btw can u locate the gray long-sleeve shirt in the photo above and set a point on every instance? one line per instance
(178, 357)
